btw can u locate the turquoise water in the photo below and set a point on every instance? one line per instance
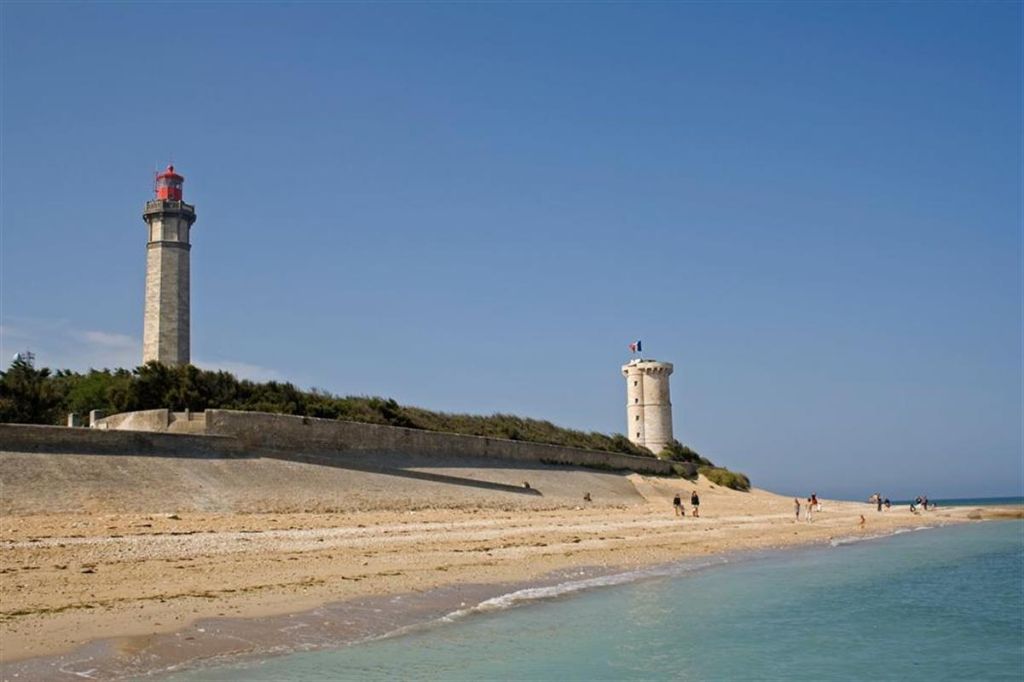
(939, 604)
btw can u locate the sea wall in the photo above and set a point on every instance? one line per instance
(258, 431)
(61, 439)
(229, 433)
(142, 420)
(155, 420)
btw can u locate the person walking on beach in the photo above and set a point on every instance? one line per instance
(809, 513)
(796, 507)
(695, 501)
(677, 503)
(814, 502)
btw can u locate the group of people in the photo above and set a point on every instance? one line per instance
(813, 505)
(921, 502)
(879, 501)
(677, 503)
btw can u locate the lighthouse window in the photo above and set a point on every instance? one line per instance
(637, 434)
(636, 400)
(636, 418)
(635, 383)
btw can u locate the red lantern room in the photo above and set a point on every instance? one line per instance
(168, 185)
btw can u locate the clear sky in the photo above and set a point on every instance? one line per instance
(812, 209)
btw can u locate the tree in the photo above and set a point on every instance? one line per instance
(27, 395)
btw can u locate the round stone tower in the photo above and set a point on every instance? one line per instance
(648, 406)
(165, 334)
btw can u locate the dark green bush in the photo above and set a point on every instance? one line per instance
(687, 470)
(726, 478)
(677, 452)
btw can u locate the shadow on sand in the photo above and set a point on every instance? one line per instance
(366, 467)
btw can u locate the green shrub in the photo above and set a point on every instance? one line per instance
(726, 478)
(677, 452)
(687, 470)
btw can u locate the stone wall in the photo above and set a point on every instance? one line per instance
(187, 422)
(143, 420)
(162, 420)
(60, 439)
(237, 434)
(257, 430)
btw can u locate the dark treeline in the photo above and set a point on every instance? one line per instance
(39, 396)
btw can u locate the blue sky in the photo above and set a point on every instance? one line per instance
(812, 209)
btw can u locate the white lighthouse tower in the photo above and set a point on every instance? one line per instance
(648, 405)
(165, 334)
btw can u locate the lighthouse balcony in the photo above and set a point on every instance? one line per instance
(168, 206)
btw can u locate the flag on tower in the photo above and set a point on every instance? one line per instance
(636, 347)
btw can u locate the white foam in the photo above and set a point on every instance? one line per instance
(533, 594)
(851, 539)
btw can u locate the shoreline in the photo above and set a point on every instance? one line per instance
(245, 640)
(422, 561)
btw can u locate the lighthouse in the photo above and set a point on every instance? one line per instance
(648, 405)
(165, 334)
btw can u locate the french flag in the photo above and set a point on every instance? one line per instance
(636, 346)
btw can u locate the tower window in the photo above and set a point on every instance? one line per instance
(636, 418)
(636, 400)
(637, 434)
(635, 383)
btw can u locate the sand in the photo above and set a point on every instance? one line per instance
(74, 577)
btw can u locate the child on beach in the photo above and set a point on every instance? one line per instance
(796, 506)
(809, 514)
(695, 501)
(677, 503)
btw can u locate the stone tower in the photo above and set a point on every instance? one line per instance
(165, 335)
(648, 407)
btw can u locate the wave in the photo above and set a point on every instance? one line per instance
(533, 594)
(852, 539)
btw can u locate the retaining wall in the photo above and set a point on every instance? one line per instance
(61, 439)
(252, 434)
(155, 420)
(142, 420)
(258, 430)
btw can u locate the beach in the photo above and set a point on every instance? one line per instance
(888, 608)
(125, 577)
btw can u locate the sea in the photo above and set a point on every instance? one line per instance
(932, 604)
(971, 502)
